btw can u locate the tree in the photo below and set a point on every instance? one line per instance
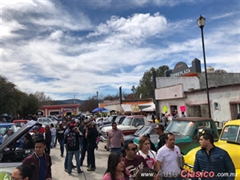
(145, 89)
(44, 99)
(89, 105)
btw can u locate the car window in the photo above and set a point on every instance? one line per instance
(45, 120)
(230, 133)
(182, 127)
(127, 121)
(2, 131)
(141, 131)
(141, 121)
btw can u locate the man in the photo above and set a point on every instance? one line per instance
(72, 142)
(168, 159)
(133, 162)
(115, 138)
(48, 139)
(84, 143)
(161, 138)
(212, 158)
(41, 161)
(8, 134)
(91, 135)
(36, 135)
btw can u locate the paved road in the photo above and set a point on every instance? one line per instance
(58, 172)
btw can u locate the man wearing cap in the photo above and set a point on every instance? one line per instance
(36, 136)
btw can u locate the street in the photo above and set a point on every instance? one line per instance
(58, 173)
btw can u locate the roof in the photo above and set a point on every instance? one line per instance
(6, 124)
(193, 119)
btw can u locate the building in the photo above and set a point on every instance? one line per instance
(184, 90)
(46, 110)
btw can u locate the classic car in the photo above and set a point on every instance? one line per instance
(146, 129)
(229, 140)
(118, 120)
(187, 131)
(129, 125)
(11, 156)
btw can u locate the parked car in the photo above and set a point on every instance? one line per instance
(144, 130)
(9, 150)
(118, 120)
(229, 140)
(129, 125)
(4, 127)
(20, 122)
(187, 131)
(46, 121)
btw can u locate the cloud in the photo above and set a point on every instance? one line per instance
(63, 53)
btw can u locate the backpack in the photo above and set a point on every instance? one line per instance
(71, 139)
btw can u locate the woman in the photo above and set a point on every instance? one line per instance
(23, 172)
(60, 138)
(146, 152)
(116, 169)
(28, 142)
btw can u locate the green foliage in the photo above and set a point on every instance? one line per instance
(145, 88)
(15, 102)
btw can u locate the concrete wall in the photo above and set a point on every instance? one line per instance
(188, 82)
(219, 79)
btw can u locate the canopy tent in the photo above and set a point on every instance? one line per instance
(147, 107)
(98, 110)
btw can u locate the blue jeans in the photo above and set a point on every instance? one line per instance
(70, 156)
(116, 149)
(53, 140)
(61, 142)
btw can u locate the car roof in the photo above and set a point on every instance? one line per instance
(193, 119)
(17, 134)
(6, 124)
(233, 122)
(135, 116)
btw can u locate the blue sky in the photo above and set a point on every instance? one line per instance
(74, 48)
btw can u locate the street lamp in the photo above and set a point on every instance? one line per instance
(201, 23)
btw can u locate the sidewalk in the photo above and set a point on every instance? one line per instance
(58, 173)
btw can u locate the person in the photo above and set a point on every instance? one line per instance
(146, 152)
(71, 140)
(91, 135)
(183, 115)
(168, 159)
(147, 174)
(152, 146)
(48, 139)
(40, 128)
(213, 159)
(133, 162)
(41, 161)
(164, 120)
(60, 138)
(53, 133)
(9, 133)
(115, 167)
(161, 138)
(28, 142)
(238, 116)
(23, 172)
(115, 139)
(36, 135)
(84, 143)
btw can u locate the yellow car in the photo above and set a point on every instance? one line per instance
(229, 140)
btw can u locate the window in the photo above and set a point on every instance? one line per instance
(230, 133)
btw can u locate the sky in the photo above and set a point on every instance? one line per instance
(76, 48)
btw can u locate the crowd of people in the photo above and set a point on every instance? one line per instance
(126, 161)
(166, 162)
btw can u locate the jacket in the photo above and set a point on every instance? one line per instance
(217, 161)
(33, 159)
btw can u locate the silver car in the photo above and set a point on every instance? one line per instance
(46, 121)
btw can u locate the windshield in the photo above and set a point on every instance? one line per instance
(181, 127)
(4, 129)
(127, 121)
(110, 118)
(141, 131)
(117, 119)
(230, 133)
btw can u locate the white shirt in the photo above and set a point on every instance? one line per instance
(169, 160)
(151, 156)
(53, 131)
